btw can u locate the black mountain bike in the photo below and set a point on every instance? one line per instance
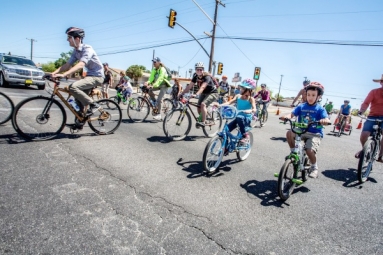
(370, 151)
(6, 108)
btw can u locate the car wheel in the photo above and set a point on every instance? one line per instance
(3, 82)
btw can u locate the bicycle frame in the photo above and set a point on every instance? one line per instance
(186, 106)
(230, 141)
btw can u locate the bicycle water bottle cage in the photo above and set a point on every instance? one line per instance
(228, 112)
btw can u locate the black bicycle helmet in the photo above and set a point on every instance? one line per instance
(75, 32)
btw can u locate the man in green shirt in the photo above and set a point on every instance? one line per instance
(329, 107)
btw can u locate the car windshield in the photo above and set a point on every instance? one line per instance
(18, 61)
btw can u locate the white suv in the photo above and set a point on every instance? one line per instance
(16, 70)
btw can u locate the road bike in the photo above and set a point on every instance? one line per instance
(296, 168)
(6, 108)
(139, 107)
(225, 142)
(176, 127)
(342, 126)
(259, 115)
(43, 118)
(370, 151)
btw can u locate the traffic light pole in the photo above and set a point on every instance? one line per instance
(194, 38)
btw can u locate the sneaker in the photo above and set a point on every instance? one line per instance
(313, 172)
(245, 139)
(157, 117)
(200, 124)
(92, 109)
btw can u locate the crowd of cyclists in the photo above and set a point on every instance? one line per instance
(309, 109)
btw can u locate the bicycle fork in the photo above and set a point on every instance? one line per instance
(181, 117)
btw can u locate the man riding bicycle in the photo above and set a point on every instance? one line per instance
(87, 59)
(265, 99)
(207, 92)
(345, 110)
(157, 81)
(302, 93)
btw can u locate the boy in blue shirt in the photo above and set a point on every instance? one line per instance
(311, 110)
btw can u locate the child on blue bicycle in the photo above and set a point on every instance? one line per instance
(311, 110)
(246, 105)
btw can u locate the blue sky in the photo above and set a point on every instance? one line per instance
(120, 26)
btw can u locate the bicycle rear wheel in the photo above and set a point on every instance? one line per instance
(109, 118)
(213, 154)
(138, 109)
(116, 99)
(6, 108)
(244, 150)
(213, 122)
(39, 118)
(285, 180)
(265, 117)
(366, 160)
(167, 106)
(176, 127)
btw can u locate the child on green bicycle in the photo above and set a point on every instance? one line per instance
(246, 105)
(311, 110)
(126, 88)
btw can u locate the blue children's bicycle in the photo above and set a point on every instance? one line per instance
(225, 142)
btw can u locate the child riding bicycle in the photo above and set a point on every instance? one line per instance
(310, 111)
(126, 88)
(246, 104)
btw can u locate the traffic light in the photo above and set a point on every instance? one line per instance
(172, 18)
(257, 73)
(220, 67)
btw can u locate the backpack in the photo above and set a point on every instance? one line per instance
(212, 78)
(168, 72)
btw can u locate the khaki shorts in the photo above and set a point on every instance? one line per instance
(207, 99)
(105, 87)
(312, 141)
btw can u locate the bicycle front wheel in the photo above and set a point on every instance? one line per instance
(6, 108)
(366, 160)
(213, 154)
(285, 180)
(138, 109)
(213, 122)
(244, 150)
(39, 118)
(108, 118)
(176, 124)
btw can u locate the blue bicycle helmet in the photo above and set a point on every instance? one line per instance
(248, 84)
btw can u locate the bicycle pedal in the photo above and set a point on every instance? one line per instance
(276, 174)
(297, 181)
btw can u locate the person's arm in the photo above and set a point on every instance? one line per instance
(111, 78)
(296, 98)
(62, 68)
(366, 102)
(161, 77)
(75, 68)
(189, 87)
(267, 97)
(179, 89)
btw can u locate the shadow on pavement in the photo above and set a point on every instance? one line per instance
(195, 168)
(283, 139)
(266, 191)
(16, 139)
(348, 177)
(159, 139)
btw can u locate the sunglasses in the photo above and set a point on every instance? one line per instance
(199, 70)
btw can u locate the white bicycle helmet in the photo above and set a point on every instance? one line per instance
(199, 65)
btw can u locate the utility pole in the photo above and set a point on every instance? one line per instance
(279, 91)
(32, 40)
(154, 52)
(213, 35)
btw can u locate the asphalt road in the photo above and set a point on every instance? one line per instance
(135, 192)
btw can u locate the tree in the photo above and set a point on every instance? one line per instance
(48, 67)
(135, 72)
(63, 59)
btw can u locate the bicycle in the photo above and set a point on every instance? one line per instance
(43, 118)
(296, 168)
(225, 142)
(259, 116)
(176, 128)
(120, 97)
(6, 108)
(342, 126)
(139, 107)
(370, 151)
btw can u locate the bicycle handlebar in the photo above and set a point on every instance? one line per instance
(303, 126)
(366, 118)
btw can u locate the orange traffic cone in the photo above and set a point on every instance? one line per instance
(277, 112)
(360, 124)
(336, 121)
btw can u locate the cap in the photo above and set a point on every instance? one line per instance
(156, 59)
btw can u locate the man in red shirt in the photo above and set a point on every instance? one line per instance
(374, 99)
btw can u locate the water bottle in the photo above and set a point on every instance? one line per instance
(153, 102)
(74, 105)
